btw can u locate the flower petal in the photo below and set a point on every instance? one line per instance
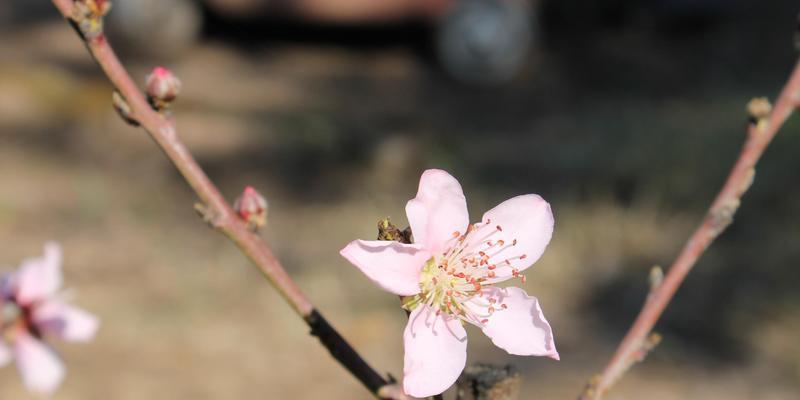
(526, 219)
(39, 278)
(435, 352)
(65, 321)
(394, 266)
(41, 369)
(5, 354)
(438, 210)
(520, 328)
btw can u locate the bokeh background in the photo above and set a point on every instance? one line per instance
(625, 116)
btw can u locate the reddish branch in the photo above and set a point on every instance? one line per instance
(216, 210)
(638, 341)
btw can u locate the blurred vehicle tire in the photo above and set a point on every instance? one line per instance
(485, 42)
(155, 27)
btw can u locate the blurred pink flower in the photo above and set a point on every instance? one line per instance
(32, 308)
(447, 278)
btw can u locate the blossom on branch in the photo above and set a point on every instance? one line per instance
(447, 278)
(33, 308)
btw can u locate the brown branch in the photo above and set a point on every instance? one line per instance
(760, 131)
(217, 210)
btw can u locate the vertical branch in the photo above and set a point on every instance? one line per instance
(86, 17)
(763, 127)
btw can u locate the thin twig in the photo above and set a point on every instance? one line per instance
(760, 132)
(217, 210)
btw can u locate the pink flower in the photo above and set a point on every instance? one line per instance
(448, 277)
(32, 308)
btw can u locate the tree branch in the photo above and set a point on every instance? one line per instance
(638, 341)
(219, 213)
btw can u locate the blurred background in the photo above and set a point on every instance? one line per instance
(625, 115)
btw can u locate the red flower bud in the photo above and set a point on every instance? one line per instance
(252, 207)
(162, 87)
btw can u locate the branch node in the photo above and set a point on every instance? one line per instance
(488, 382)
(123, 109)
(722, 216)
(87, 16)
(209, 215)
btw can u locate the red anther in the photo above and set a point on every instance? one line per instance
(503, 306)
(456, 234)
(524, 256)
(477, 285)
(491, 267)
(470, 228)
(435, 281)
(501, 242)
(514, 242)
(492, 300)
(492, 274)
(483, 321)
(499, 228)
(490, 309)
(482, 254)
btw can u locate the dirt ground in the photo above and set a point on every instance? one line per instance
(627, 131)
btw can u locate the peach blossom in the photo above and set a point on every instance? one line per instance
(447, 278)
(34, 309)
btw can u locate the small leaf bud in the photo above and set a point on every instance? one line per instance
(758, 109)
(123, 108)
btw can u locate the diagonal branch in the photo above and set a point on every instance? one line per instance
(763, 127)
(217, 210)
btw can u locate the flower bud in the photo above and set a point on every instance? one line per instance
(162, 87)
(252, 207)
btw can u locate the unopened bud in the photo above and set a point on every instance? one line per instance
(162, 87)
(758, 108)
(252, 207)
